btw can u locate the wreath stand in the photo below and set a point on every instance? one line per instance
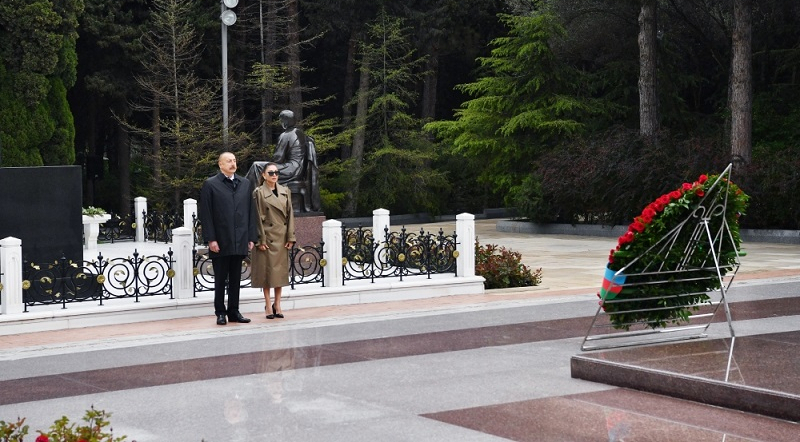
(699, 242)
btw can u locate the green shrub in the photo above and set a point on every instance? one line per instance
(63, 431)
(502, 268)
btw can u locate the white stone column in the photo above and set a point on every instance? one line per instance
(380, 221)
(465, 233)
(139, 207)
(332, 236)
(189, 210)
(183, 280)
(91, 229)
(11, 275)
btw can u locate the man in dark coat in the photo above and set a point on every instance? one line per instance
(228, 225)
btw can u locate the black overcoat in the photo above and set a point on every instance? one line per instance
(227, 215)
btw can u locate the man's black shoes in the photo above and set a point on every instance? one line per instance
(221, 320)
(237, 318)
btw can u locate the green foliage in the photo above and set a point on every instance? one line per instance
(526, 101)
(669, 271)
(13, 431)
(94, 430)
(775, 116)
(42, 134)
(396, 172)
(607, 177)
(60, 148)
(464, 193)
(773, 183)
(336, 179)
(401, 179)
(91, 211)
(37, 64)
(502, 268)
(188, 109)
(265, 77)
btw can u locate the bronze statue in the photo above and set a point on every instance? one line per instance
(296, 156)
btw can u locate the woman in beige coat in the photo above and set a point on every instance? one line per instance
(275, 226)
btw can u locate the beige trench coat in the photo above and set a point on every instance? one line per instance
(275, 227)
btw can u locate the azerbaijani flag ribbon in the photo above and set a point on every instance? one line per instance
(612, 284)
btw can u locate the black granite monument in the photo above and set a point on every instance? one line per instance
(42, 207)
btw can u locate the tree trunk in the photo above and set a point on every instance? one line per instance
(156, 146)
(124, 165)
(268, 47)
(429, 89)
(359, 139)
(295, 92)
(349, 81)
(648, 100)
(742, 82)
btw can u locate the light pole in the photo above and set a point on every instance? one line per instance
(228, 18)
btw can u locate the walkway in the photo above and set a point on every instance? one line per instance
(472, 368)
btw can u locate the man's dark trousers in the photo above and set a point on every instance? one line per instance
(227, 269)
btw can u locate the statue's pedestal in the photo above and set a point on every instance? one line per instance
(308, 228)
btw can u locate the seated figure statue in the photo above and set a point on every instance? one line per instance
(296, 157)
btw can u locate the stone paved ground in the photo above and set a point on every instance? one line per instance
(484, 367)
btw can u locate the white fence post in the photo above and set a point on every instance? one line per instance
(11, 275)
(332, 236)
(139, 207)
(183, 280)
(465, 235)
(189, 210)
(380, 221)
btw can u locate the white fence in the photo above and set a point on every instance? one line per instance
(182, 246)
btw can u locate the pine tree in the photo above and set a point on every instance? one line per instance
(184, 110)
(391, 157)
(524, 104)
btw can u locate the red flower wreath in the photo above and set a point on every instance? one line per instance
(635, 254)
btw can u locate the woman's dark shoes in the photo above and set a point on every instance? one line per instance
(269, 316)
(274, 312)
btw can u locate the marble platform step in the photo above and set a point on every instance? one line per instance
(764, 375)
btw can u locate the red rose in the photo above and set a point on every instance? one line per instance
(626, 238)
(663, 200)
(686, 187)
(675, 194)
(699, 192)
(648, 214)
(703, 178)
(42, 438)
(637, 226)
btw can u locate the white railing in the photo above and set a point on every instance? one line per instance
(11, 281)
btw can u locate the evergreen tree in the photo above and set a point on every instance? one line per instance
(37, 65)
(525, 103)
(184, 109)
(109, 44)
(392, 167)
